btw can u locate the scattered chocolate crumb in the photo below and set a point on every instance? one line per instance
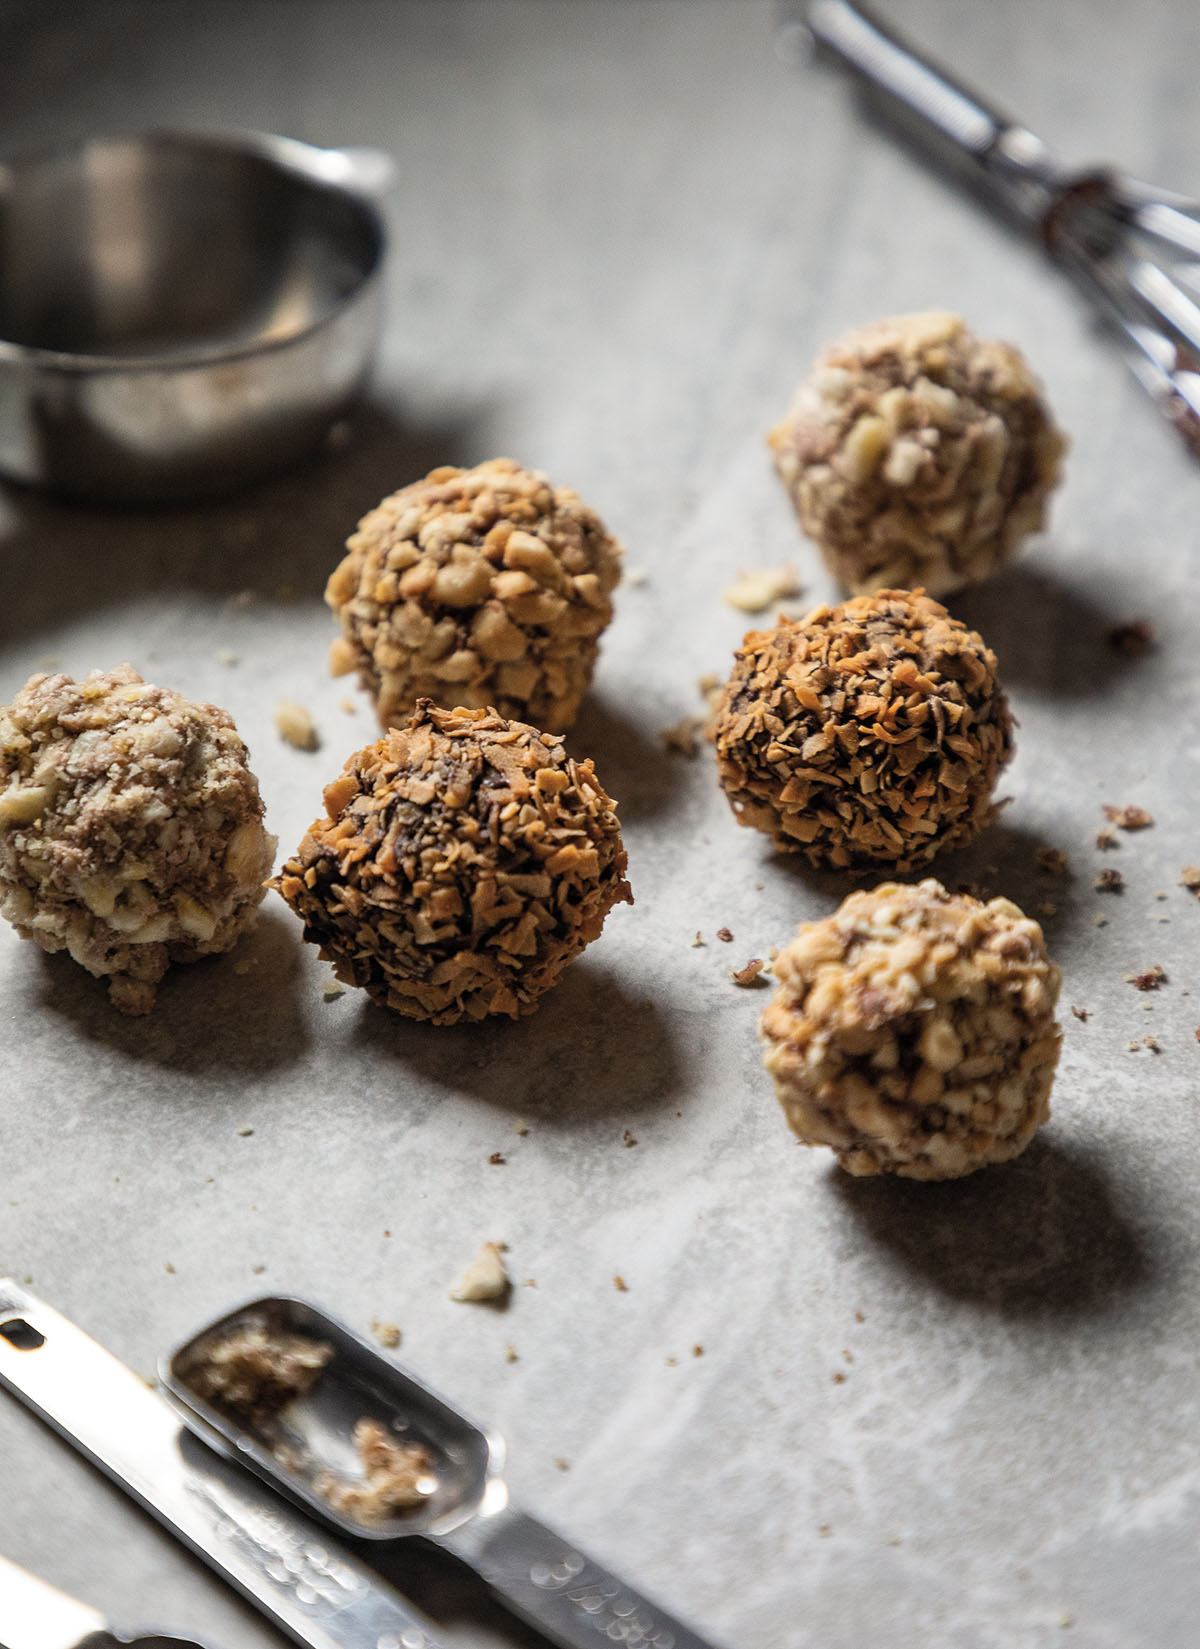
(497, 1159)
(388, 1334)
(724, 935)
(1134, 638)
(1080, 1013)
(1150, 980)
(683, 737)
(748, 975)
(1053, 861)
(1128, 818)
(621, 1286)
(629, 1138)
(1109, 881)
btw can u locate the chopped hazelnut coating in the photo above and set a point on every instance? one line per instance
(131, 829)
(480, 587)
(254, 1372)
(916, 453)
(866, 734)
(913, 1031)
(396, 1476)
(463, 861)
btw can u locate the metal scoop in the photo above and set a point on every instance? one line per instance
(308, 1445)
(1132, 249)
(34, 1615)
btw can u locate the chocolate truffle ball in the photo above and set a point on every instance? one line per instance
(866, 734)
(481, 587)
(462, 863)
(917, 453)
(131, 829)
(913, 1032)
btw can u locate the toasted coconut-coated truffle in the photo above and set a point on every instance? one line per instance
(481, 587)
(917, 453)
(866, 734)
(463, 861)
(131, 827)
(913, 1032)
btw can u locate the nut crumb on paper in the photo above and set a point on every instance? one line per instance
(1130, 817)
(484, 1279)
(756, 589)
(1149, 980)
(497, 1159)
(1109, 881)
(295, 726)
(388, 1334)
(621, 1286)
(1080, 1013)
(749, 974)
(724, 935)
(1189, 877)
(1053, 861)
(1134, 638)
(628, 1137)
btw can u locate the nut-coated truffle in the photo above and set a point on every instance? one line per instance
(131, 829)
(913, 1032)
(483, 588)
(917, 453)
(462, 863)
(868, 734)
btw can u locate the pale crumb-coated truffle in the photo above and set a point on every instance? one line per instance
(913, 1032)
(131, 829)
(867, 734)
(463, 861)
(917, 453)
(483, 588)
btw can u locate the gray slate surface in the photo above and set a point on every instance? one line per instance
(620, 232)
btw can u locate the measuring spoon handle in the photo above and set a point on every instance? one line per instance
(551, 1584)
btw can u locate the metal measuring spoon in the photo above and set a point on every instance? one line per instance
(34, 1615)
(308, 1445)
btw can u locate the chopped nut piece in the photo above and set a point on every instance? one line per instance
(462, 864)
(724, 935)
(913, 1032)
(497, 1159)
(1106, 839)
(510, 1354)
(697, 941)
(1151, 980)
(749, 974)
(253, 1372)
(1128, 818)
(562, 1464)
(918, 454)
(295, 726)
(683, 739)
(520, 1127)
(1053, 861)
(1189, 877)
(130, 827)
(1151, 1042)
(485, 1278)
(1134, 638)
(483, 587)
(1080, 1013)
(629, 1138)
(1109, 881)
(697, 1351)
(621, 1286)
(762, 587)
(866, 734)
(388, 1334)
(395, 1477)
(331, 990)
(227, 656)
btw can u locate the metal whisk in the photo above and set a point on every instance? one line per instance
(1113, 235)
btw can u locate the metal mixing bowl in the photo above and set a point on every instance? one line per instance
(179, 312)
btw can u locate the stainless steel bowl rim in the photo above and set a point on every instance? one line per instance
(282, 152)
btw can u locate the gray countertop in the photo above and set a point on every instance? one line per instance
(963, 1415)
